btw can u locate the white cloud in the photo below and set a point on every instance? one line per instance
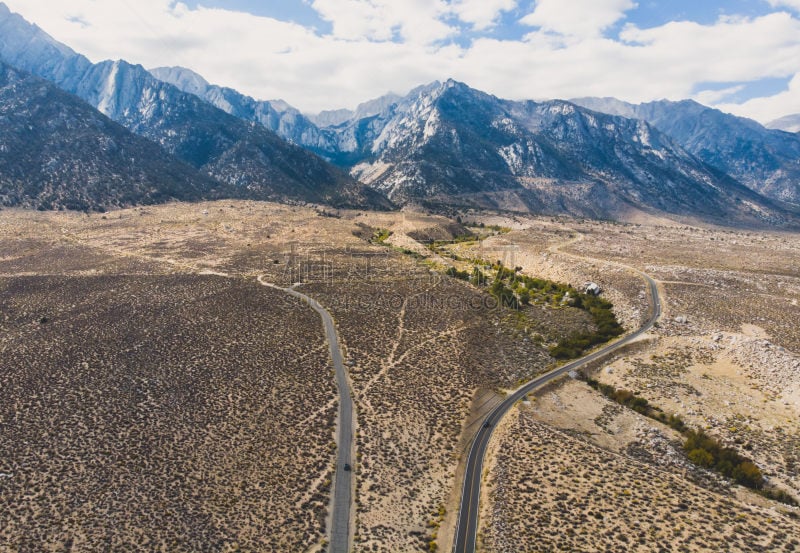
(383, 48)
(769, 108)
(730, 50)
(583, 18)
(416, 21)
(481, 14)
(712, 97)
(793, 4)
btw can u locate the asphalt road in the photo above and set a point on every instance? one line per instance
(467, 526)
(342, 499)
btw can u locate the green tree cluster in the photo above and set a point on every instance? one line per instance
(708, 452)
(701, 449)
(504, 294)
(605, 322)
(514, 291)
(455, 273)
(380, 235)
(638, 404)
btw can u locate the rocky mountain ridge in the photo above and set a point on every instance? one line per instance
(247, 156)
(442, 145)
(765, 160)
(56, 152)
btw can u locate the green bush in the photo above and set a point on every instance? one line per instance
(453, 272)
(381, 235)
(701, 457)
(778, 495)
(748, 474)
(504, 294)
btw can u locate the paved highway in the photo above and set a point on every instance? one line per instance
(467, 525)
(342, 499)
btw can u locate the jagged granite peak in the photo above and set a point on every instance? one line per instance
(345, 143)
(765, 160)
(787, 123)
(26, 46)
(333, 118)
(376, 106)
(609, 105)
(276, 115)
(249, 156)
(282, 106)
(57, 152)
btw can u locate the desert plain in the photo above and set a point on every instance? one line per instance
(154, 396)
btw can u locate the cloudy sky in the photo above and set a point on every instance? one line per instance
(742, 56)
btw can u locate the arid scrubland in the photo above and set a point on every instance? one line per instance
(161, 413)
(423, 351)
(553, 491)
(149, 371)
(727, 354)
(148, 407)
(156, 397)
(725, 358)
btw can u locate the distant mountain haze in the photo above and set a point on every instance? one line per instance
(788, 123)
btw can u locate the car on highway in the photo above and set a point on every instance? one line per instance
(347, 467)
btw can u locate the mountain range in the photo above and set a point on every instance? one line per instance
(442, 145)
(448, 144)
(765, 160)
(254, 160)
(50, 140)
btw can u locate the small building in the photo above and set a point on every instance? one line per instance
(592, 288)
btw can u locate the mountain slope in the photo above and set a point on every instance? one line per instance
(332, 118)
(765, 160)
(276, 116)
(58, 152)
(338, 136)
(451, 144)
(255, 160)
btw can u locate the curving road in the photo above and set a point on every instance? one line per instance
(342, 497)
(467, 526)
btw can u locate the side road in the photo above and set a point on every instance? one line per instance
(342, 496)
(467, 524)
